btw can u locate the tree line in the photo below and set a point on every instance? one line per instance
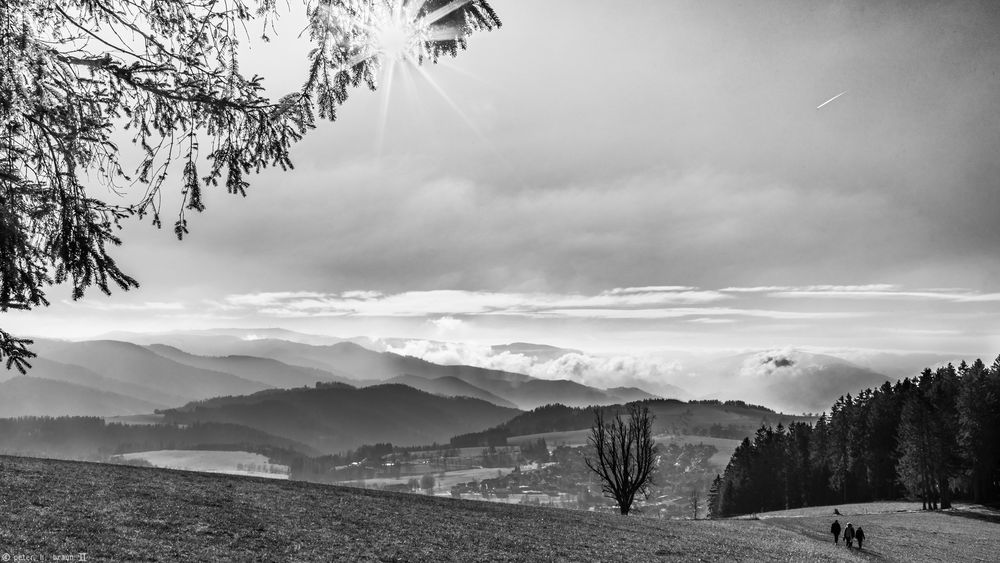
(934, 438)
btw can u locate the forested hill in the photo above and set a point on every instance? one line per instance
(334, 417)
(706, 418)
(935, 438)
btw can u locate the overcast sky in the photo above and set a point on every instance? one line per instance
(620, 176)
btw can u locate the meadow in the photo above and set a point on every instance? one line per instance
(118, 513)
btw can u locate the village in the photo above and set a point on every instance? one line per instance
(530, 473)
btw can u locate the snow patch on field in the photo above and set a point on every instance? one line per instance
(213, 461)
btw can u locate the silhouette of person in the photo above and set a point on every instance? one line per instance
(835, 530)
(860, 536)
(849, 535)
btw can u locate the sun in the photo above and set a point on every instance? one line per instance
(387, 31)
(396, 35)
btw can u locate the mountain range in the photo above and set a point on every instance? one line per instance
(169, 370)
(109, 377)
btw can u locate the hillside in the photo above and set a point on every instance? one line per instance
(35, 396)
(450, 387)
(79, 375)
(336, 417)
(624, 395)
(128, 513)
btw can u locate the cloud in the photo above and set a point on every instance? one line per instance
(961, 296)
(445, 325)
(650, 372)
(816, 288)
(650, 289)
(148, 306)
(711, 321)
(869, 291)
(765, 363)
(449, 303)
(679, 312)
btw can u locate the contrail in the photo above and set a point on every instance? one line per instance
(831, 99)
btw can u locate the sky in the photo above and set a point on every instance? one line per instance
(618, 177)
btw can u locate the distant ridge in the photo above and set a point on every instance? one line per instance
(266, 371)
(449, 386)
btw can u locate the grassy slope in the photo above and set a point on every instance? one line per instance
(899, 531)
(127, 513)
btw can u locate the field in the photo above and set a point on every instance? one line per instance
(53, 508)
(442, 483)
(135, 419)
(570, 438)
(213, 461)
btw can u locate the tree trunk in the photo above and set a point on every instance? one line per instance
(945, 493)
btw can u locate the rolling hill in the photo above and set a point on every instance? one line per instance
(135, 365)
(335, 418)
(28, 395)
(624, 395)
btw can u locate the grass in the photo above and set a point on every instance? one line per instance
(145, 514)
(900, 531)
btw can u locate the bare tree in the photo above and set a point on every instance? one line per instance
(695, 500)
(625, 455)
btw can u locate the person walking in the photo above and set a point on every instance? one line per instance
(860, 536)
(835, 530)
(849, 535)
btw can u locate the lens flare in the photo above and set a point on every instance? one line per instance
(395, 30)
(366, 41)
